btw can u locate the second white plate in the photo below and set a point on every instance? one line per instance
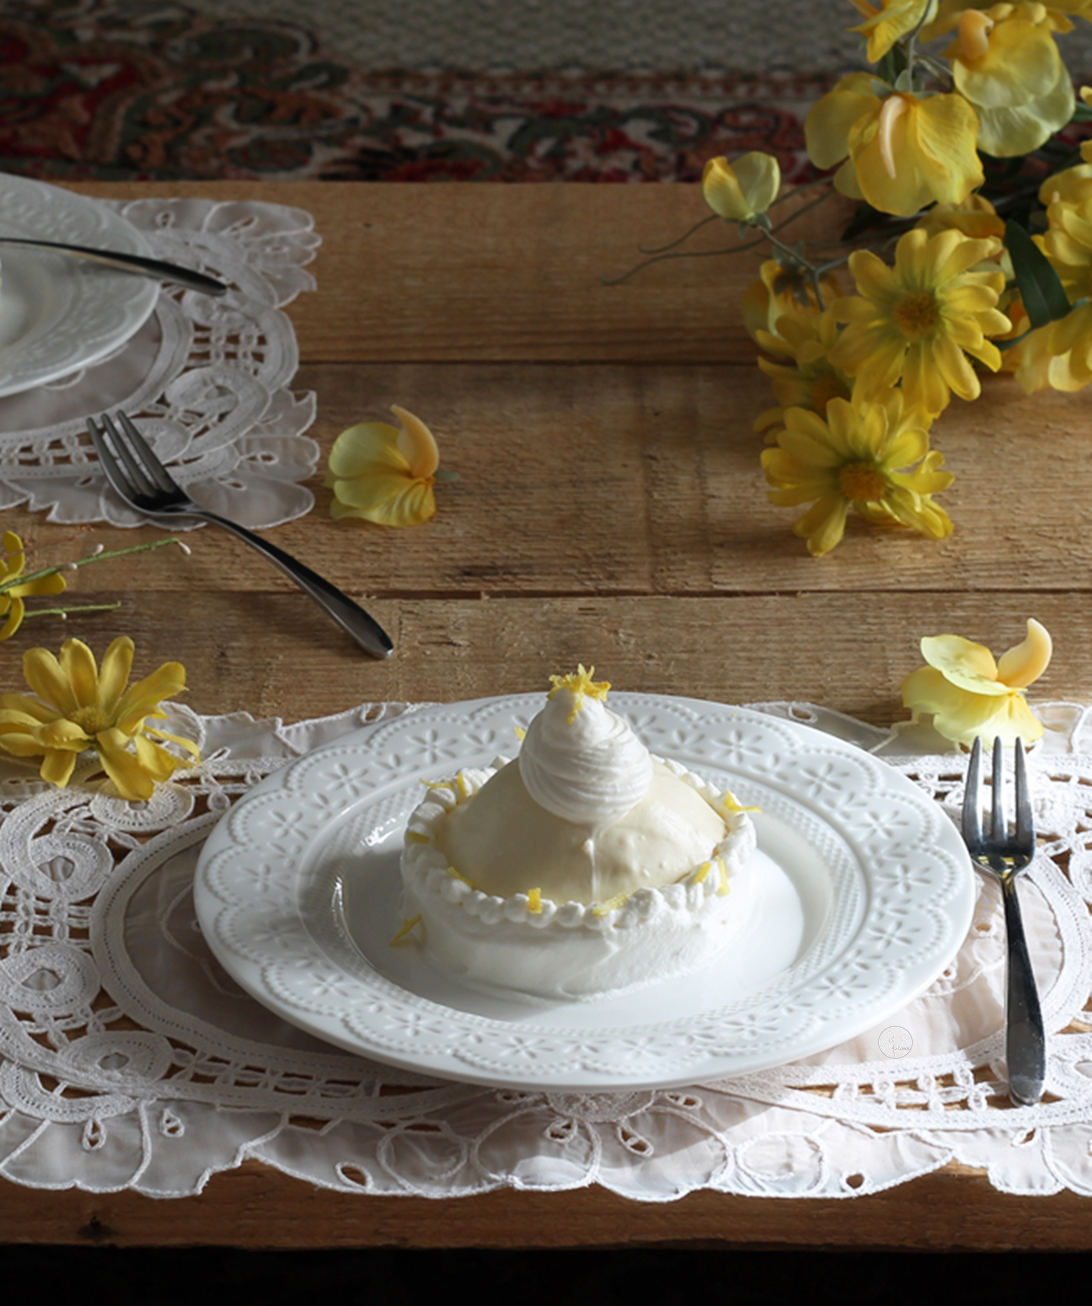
(867, 895)
(58, 314)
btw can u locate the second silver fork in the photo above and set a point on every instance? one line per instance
(1006, 856)
(138, 476)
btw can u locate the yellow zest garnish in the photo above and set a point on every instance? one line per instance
(406, 927)
(703, 871)
(732, 804)
(602, 908)
(460, 786)
(724, 887)
(521, 733)
(580, 684)
(414, 836)
(436, 784)
(452, 871)
(534, 900)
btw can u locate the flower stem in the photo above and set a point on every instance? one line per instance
(63, 612)
(105, 556)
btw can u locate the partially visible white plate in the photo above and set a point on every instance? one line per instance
(867, 895)
(58, 314)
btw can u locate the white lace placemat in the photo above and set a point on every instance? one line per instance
(128, 1059)
(206, 379)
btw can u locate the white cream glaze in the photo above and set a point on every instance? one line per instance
(566, 950)
(582, 762)
(506, 843)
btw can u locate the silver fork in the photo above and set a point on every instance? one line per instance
(1006, 856)
(138, 476)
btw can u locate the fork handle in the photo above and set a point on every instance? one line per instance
(352, 618)
(1025, 1042)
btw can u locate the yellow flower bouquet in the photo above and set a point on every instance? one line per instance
(972, 249)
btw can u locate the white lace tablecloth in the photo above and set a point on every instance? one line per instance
(128, 1059)
(206, 379)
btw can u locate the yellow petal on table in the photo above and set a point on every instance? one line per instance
(417, 444)
(1028, 660)
(142, 699)
(123, 767)
(57, 768)
(117, 662)
(966, 665)
(45, 677)
(78, 665)
(962, 716)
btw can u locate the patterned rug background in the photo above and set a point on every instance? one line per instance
(113, 89)
(153, 90)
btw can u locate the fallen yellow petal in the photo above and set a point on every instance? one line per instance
(1028, 660)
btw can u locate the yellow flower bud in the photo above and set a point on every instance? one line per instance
(740, 191)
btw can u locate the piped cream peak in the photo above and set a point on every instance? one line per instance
(580, 684)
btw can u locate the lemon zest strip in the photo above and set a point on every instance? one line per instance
(602, 908)
(534, 900)
(724, 888)
(406, 927)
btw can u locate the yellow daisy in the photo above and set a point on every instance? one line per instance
(13, 590)
(873, 458)
(812, 380)
(918, 321)
(77, 707)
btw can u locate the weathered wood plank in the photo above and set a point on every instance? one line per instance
(272, 654)
(617, 479)
(471, 272)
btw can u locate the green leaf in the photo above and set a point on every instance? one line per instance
(891, 65)
(1038, 283)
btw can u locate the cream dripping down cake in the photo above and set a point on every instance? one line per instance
(583, 866)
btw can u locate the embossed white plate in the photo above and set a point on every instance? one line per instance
(866, 896)
(58, 314)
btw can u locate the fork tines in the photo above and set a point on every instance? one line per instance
(146, 475)
(1023, 836)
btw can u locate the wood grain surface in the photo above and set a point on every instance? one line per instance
(610, 510)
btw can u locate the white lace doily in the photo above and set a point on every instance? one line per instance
(129, 1060)
(206, 379)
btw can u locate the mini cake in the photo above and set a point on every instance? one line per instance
(582, 867)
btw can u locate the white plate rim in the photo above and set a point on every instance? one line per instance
(251, 902)
(91, 310)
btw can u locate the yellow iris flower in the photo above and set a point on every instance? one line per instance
(385, 474)
(1006, 64)
(890, 22)
(13, 591)
(901, 153)
(873, 458)
(740, 191)
(77, 707)
(919, 320)
(971, 695)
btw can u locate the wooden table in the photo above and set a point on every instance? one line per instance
(610, 510)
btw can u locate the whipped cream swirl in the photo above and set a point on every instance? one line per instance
(583, 763)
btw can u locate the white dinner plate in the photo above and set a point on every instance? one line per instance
(866, 895)
(58, 314)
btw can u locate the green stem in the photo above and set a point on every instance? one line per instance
(663, 249)
(83, 562)
(686, 253)
(63, 612)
